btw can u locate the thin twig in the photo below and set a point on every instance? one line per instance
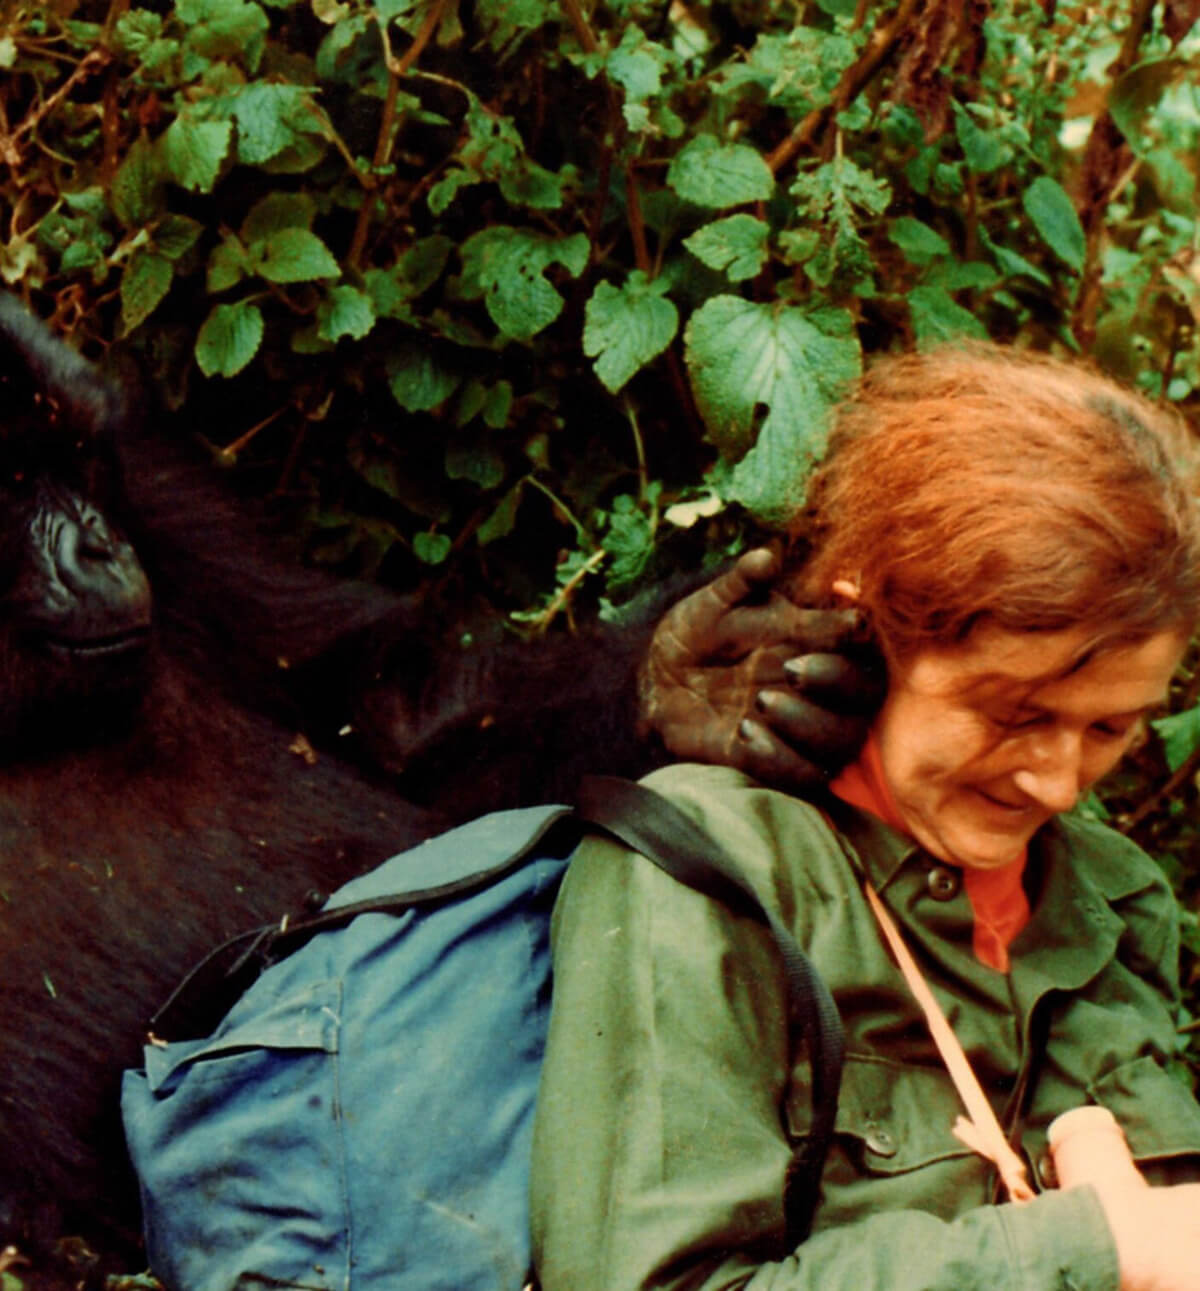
(1165, 791)
(397, 68)
(853, 81)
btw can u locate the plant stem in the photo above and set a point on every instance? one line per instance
(853, 81)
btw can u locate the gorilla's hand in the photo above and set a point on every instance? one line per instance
(737, 674)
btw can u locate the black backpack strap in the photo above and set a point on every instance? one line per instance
(653, 826)
(197, 1005)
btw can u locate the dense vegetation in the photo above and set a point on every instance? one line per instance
(523, 301)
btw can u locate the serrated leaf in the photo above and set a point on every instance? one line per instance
(278, 210)
(714, 174)
(227, 266)
(345, 311)
(736, 245)
(1048, 206)
(937, 317)
(418, 379)
(626, 327)
(137, 187)
(194, 152)
(176, 235)
(221, 29)
(506, 266)
(918, 243)
(269, 118)
(144, 283)
(1180, 734)
(744, 358)
(293, 255)
(229, 338)
(431, 548)
(495, 152)
(504, 22)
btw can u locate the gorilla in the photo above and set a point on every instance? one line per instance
(174, 699)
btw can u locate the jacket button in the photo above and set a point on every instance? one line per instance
(881, 1141)
(1046, 1173)
(943, 883)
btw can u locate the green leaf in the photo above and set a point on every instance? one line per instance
(477, 461)
(431, 548)
(626, 327)
(194, 152)
(229, 338)
(494, 152)
(1048, 206)
(983, 151)
(637, 65)
(504, 22)
(278, 210)
(269, 119)
(918, 243)
(176, 235)
(345, 311)
(1011, 264)
(629, 540)
(505, 266)
(144, 283)
(736, 244)
(137, 187)
(714, 174)
(1180, 734)
(745, 359)
(221, 30)
(937, 317)
(417, 378)
(1137, 94)
(503, 519)
(227, 266)
(293, 255)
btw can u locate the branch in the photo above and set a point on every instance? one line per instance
(1178, 779)
(397, 70)
(853, 81)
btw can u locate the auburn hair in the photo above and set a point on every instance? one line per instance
(987, 483)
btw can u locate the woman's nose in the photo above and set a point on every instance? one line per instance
(1052, 775)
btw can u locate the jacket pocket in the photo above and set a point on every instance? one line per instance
(893, 1147)
(1160, 1117)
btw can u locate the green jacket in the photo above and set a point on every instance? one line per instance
(669, 1095)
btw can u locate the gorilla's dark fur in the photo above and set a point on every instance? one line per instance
(153, 796)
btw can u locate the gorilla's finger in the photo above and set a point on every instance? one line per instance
(763, 755)
(854, 682)
(820, 735)
(828, 631)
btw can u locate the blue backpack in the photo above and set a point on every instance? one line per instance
(361, 1117)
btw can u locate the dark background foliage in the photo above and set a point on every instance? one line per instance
(525, 303)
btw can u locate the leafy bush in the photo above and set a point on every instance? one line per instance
(527, 301)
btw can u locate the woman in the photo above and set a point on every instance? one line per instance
(1022, 538)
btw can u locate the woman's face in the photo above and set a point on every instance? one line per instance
(982, 743)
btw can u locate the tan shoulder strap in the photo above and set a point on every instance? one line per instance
(979, 1129)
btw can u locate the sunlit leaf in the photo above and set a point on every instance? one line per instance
(625, 327)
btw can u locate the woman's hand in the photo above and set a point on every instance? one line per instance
(738, 674)
(1157, 1234)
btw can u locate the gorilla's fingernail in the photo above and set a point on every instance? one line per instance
(748, 730)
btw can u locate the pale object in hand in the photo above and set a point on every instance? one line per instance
(1088, 1146)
